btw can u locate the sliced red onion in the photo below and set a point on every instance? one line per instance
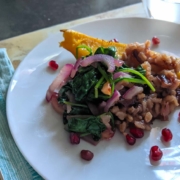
(106, 120)
(59, 81)
(110, 102)
(106, 59)
(133, 91)
(93, 108)
(89, 139)
(75, 69)
(59, 108)
(118, 62)
(120, 75)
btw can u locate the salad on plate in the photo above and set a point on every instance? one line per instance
(113, 86)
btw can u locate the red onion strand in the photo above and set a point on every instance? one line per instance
(59, 81)
(106, 59)
(112, 100)
(133, 91)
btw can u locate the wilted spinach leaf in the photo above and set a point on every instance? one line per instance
(62, 93)
(91, 125)
(82, 83)
(111, 51)
(75, 110)
(85, 69)
(141, 70)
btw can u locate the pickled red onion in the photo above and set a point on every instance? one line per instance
(59, 81)
(130, 93)
(110, 102)
(120, 75)
(106, 59)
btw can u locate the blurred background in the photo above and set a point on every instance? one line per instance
(23, 16)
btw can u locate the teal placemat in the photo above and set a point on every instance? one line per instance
(12, 164)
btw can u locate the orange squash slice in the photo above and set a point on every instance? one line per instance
(72, 39)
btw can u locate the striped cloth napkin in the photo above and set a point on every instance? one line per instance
(12, 164)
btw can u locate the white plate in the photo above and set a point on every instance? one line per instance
(38, 130)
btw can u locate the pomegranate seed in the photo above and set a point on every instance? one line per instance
(136, 132)
(156, 153)
(115, 40)
(155, 40)
(130, 139)
(167, 135)
(74, 138)
(87, 155)
(53, 65)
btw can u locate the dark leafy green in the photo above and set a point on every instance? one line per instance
(132, 80)
(98, 84)
(108, 77)
(85, 87)
(76, 110)
(91, 125)
(111, 51)
(82, 83)
(85, 69)
(62, 93)
(101, 97)
(141, 70)
(139, 76)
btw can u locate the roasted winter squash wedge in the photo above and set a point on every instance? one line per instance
(73, 39)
